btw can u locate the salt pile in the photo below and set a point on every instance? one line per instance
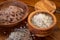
(20, 34)
(42, 20)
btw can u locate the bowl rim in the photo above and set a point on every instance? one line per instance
(33, 26)
(27, 11)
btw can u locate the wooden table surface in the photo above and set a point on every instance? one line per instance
(55, 35)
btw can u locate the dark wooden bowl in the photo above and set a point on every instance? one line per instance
(14, 3)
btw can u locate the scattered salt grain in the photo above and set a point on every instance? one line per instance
(20, 34)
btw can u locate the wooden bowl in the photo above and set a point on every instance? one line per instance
(45, 5)
(38, 31)
(15, 3)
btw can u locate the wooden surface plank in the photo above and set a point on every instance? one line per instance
(32, 2)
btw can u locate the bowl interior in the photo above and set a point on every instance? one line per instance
(33, 13)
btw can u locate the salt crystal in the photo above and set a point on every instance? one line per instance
(42, 20)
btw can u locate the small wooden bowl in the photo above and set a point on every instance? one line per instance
(45, 5)
(38, 31)
(15, 3)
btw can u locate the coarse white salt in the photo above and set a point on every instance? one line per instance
(20, 34)
(42, 20)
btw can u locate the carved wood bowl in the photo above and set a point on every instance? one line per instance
(14, 3)
(45, 5)
(41, 32)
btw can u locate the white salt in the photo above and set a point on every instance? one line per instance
(20, 34)
(42, 20)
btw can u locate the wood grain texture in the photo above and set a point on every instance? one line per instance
(55, 35)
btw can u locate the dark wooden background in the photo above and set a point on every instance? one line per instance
(55, 35)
